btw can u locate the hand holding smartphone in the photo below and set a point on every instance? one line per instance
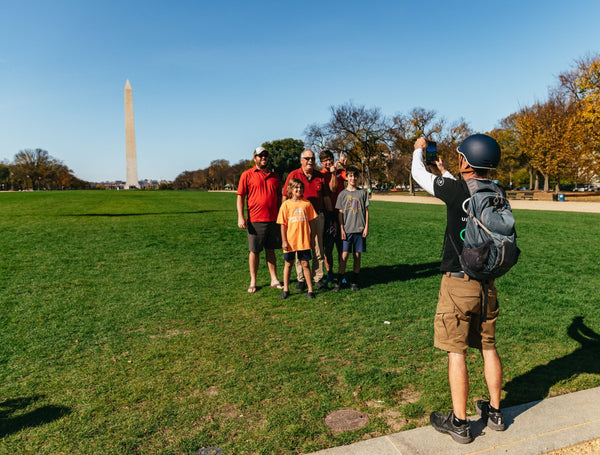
(431, 153)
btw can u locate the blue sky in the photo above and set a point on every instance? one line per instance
(214, 80)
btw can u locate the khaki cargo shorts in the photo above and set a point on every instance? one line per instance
(457, 315)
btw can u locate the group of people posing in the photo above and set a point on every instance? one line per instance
(313, 200)
(315, 212)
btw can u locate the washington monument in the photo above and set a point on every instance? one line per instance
(132, 175)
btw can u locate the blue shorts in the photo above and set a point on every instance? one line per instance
(354, 242)
(303, 255)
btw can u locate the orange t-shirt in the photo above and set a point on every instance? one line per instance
(295, 216)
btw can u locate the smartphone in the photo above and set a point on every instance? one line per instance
(431, 152)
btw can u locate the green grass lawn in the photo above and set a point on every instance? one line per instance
(125, 327)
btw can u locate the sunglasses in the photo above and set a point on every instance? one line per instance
(263, 155)
(308, 158)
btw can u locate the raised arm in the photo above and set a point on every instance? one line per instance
(424, 178)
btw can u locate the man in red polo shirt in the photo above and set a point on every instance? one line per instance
(317, 192)
(262, 187)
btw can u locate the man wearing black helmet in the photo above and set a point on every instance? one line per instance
(457, 323)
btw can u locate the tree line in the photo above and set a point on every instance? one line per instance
(545, 145)
(36, 169)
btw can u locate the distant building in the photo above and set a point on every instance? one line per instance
(147, 184)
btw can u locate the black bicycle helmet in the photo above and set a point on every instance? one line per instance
(480, 151)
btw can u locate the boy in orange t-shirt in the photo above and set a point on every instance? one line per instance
(296, 217)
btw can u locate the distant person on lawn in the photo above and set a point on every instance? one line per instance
(297, 219)
(262, 188)
(353, 208)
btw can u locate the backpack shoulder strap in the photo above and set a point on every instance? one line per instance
(476, 185)
(473, 186)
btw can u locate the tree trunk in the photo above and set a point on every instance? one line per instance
(531, 176)
(546, 182)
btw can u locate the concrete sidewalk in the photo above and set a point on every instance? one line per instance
(532, 428)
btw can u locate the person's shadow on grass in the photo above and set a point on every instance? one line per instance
(11, 421)
(535, 384)
(383, 274)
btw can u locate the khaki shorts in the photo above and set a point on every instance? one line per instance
(459, 306)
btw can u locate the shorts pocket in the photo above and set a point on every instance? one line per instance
(466, 302)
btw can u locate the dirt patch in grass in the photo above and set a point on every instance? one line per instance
(229, 411)
(169, 334)
(409, 395)
(212, 391)
(394, 420)
(346, 420)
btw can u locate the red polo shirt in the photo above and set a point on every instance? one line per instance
(315, 189)
(262, 189)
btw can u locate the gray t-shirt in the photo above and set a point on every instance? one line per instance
(353, 205)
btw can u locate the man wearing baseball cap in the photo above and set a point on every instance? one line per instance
(261, 187)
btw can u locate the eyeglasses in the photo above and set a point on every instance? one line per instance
(263, 155)
(308, 158)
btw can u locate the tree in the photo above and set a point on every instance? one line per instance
(36, 169)
(218, 174)
(238, 168)
(581, 87)
(31, 165)
(405, 130)
(450, 139)
(513, 159)
(4, 175)
(356, 131)
(184, 180)
(546, 134)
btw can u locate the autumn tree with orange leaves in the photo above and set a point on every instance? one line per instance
(547, 135)
(581, 86)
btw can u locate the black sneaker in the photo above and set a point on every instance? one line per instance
(445, 424)
(310, 295)
(320, 285)
(301, 286)
(330, 278)
(284, 295)
(340, 285)
(494, 419)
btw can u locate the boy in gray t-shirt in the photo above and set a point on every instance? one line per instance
(352, 204)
